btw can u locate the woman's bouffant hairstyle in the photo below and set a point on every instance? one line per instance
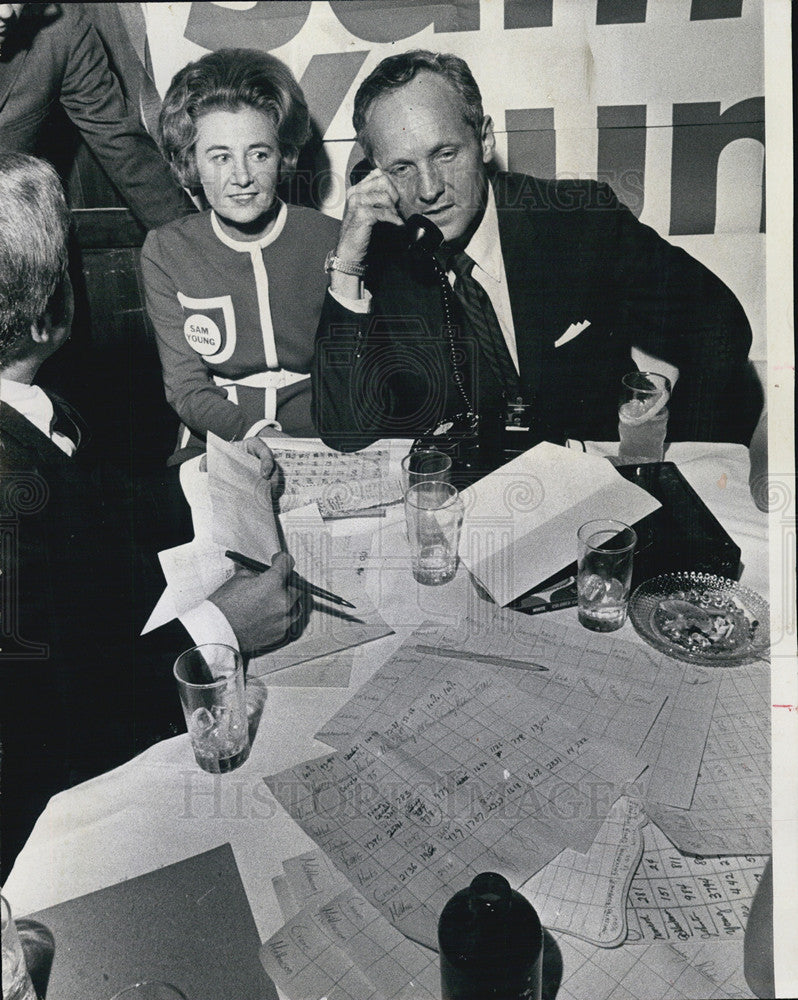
(395, 71)
(229, 80)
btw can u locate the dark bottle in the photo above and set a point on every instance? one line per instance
(491, 943)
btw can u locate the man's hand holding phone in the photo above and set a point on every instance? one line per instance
(374, 199)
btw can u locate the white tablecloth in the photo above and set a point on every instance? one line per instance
(160, 808)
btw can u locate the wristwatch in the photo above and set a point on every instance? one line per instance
(333, 263)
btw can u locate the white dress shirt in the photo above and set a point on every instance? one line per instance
(485, 249)
(36, 407)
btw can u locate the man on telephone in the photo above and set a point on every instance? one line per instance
(519, 325)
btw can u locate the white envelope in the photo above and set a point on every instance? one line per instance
(521, 521)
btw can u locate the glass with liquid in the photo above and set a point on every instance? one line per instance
(434, 515)
(643, 417)
(210, 679)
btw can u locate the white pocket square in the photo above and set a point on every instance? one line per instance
(573, 331)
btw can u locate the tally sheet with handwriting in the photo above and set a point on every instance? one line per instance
(340, 947)
(675, 897)
(730, 812)
(476, 775)
(616, 685)
(321, 953)
(310, 472)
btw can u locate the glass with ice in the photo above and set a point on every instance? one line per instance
(434, 515)
(17, 984)
(643, 417)
(210, 679)
(605, 552)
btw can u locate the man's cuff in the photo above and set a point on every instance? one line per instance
(361, 305)
(207, 623)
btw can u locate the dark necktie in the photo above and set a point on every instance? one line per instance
(481, 322)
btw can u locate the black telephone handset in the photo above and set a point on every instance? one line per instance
(422, 233)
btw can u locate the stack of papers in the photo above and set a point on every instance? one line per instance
(440, 753)
(445, 769)
(336, 944)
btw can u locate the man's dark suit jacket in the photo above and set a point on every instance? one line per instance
(80, 692)
(52, 55)
(572, 253)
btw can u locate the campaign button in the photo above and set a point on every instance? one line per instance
(202, 334)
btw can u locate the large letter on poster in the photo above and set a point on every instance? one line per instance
(622, 151)
(390, 21)
(264, 26)
(700, 134)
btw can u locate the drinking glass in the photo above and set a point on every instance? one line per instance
(210, 679)
(605, 553)
(425, 465)
(643, 416)
(434, 514)
(16, 979)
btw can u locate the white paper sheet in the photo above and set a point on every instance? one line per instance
(677, 970)
(730, 810)
(585, 894)
(242, 513)
(194, 570)
(521, 521)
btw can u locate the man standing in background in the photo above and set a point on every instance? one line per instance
(50, 53)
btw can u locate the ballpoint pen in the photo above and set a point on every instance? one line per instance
(295, 580)
(487, 658)
(530, 607)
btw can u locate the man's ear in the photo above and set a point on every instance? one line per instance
(41, 330)
(47, 334)
(487, 139)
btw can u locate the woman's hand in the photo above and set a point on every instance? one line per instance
(257, 446)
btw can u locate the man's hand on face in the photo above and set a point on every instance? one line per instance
(260, 607)
(374, 199)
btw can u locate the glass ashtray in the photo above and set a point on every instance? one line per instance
(702, 618)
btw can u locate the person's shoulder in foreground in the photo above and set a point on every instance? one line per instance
(74, 562)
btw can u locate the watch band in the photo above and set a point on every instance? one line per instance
(334, 263)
